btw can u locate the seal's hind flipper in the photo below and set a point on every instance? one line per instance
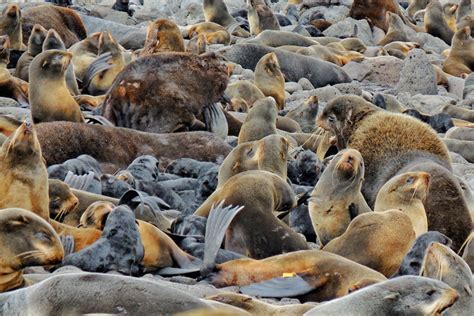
(217, 223)
(278, 287)
(68, 244)
(170, 271)
(83, 183)
(216, 121)
(100, 64)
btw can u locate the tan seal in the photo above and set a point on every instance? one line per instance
(460, 60)
(49, 96)
(337, 199)
(270, 80)
(379, 241)
(35, 46)
(10, 24)
(261, 17)
(406, 192)
(269, 153)
(25, 240)
(260, 121)
(84, 53)
(163, 35)
(261, 193)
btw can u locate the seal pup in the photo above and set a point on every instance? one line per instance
(25, 240)
(35, 46)
(112, 294)
(406, 295)
(10, 24)
(261, 17)
(54, 41)
(104, 69)
(260, 193)
(160, 251)
(442, 263)
(213, 33)
(408, 145)
(216, 11)
(337, 199)
(260, 121)
(406, 192)
(412, 262)
(49, 96)
(460, 60)
(370, 236)
(269, 153)
(10, 86)
(119, 248)
(270, 80)
(164, 93)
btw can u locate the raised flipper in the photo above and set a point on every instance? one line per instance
(216, 121)
(217, 223)
(100, 64)
(97, 120)
(279, 287)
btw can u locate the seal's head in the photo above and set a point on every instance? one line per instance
(27, 240)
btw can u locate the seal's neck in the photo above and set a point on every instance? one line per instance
(11, 281)
(356, 119)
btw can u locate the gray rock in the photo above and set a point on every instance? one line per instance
(349, 88)
(429, 42)
(324, 94)
(346, 28)
(305, 84)
(418, 75)
(107, 13)
(430, 104)
(292, 87)
(383, 70)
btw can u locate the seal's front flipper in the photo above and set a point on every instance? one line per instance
(216, 121)
(170, 271)
(100, 64)
(85, 182)
(283, 287)
(217, 223)
(68, 244)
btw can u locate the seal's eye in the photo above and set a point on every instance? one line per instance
(410, 180)
(430, 292)
(43, 236)
(331, 119)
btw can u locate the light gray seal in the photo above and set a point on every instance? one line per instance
(293, 66)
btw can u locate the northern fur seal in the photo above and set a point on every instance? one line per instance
(370, 236)
(305, 114)
(269, 153)
(164, 93)
(260, 121)
(163, 35)
(292, 65)
(25, 240)
(102, 72)
(10, 24)
(260, 193)
(406, 192)
(270, 80)
(395, 30)
(412, 263)
(261, 17)
(244, 90)
(407, 295)
(65, 21)
(435, 22)
(336, 199)
(61, 199)
(23, 175)
(35, 47)
(98, 293)
(459, 112)
(442, 263)
(84, 53)
(116, 147)
(407, 145)
(49, 96)
(374, 11)
(460, 60)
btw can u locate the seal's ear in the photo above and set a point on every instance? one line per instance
(362, 283)
(392, 297)
(20, 220)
